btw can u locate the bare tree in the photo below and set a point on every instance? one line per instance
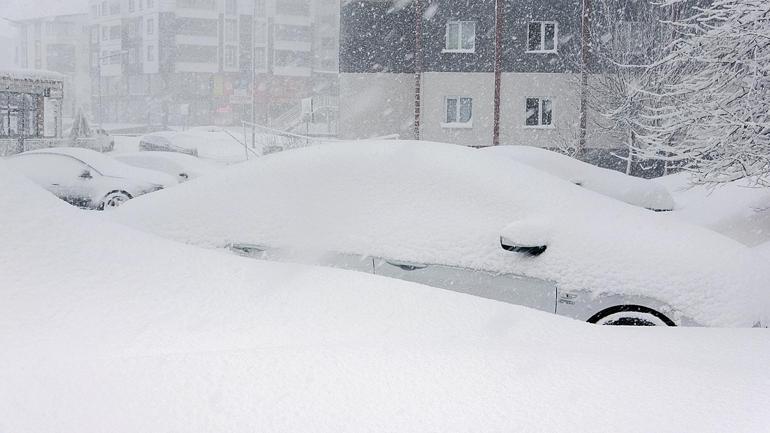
(629, 36)
(709, 109)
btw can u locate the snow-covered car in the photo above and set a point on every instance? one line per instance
(183, 167)
(163, 141)
(739, 210)
(632, 190)
(87, 178)
(460, 219)
(103, 326)
(209, 142)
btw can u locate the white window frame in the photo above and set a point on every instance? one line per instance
(150, 26)
(456, 124)
(542, 49)
(540, 112)
(233, 64)
(460, 25)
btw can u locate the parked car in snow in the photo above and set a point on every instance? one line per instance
(163, 141)
(632, 190)
(183, 167)
(87, 178)
(456, 218)
(208, 142)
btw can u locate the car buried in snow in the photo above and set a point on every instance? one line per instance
(86, 178)
(455, 218)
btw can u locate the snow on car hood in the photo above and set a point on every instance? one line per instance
(632, 190)
(446, 204)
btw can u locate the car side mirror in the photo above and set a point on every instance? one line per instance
(529, 238)
(86, 174)
(529, 250)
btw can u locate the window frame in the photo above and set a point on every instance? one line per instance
(540, 124)
(456, 124)
(460, 24)
(542, 49)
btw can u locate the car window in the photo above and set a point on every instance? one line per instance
(46, 168)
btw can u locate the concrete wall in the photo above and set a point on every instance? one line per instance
(381, 104)
(376, 104)
(437, 86)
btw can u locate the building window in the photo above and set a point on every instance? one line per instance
(231, 30)
(539, 112)
(131, 55)
(260, 58)
(115, 8)
(105, 33)
(150, 4)
(542, 37)
(459, 111)
(230, 57)
(131, 5)
(150, 53)
(150, 26)
(115, 32)
(461, 36)
(105, 9)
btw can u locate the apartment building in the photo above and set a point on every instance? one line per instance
(192, 61)
(432, 63)
(60, 44)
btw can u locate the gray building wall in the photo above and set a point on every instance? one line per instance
(378, 39)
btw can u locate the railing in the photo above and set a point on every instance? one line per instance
(11, 146)
(273, 140)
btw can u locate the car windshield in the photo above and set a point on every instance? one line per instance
(384, 215)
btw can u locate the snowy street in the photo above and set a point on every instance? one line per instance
(160, 336)
(384, 216)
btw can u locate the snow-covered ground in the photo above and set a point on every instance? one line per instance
(106, 329)
(738, 210)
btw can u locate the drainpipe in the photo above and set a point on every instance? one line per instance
(417, 67)
(585, 49)
(498, 69)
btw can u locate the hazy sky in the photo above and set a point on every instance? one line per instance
(15, 9)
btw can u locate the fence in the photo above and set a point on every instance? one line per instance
(273, 140)
(11, 146)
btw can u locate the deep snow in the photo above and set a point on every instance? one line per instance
(438, 203)
(107, 329)
(739, 210)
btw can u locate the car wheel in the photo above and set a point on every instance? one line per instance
(631, 315)
(114, 199)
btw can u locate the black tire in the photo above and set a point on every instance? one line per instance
(631, 315)
(114, 199)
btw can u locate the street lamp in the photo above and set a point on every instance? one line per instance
(99, 76)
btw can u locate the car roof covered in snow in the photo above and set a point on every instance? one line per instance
(632, 190)
(106, 165)
(446, 204)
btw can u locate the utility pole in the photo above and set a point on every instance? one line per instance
(498, 69)
(417, 67)
(254, 77)
(585, 58)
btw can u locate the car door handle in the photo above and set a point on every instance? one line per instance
(406, 266)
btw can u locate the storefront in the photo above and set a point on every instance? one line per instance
(30, 110)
